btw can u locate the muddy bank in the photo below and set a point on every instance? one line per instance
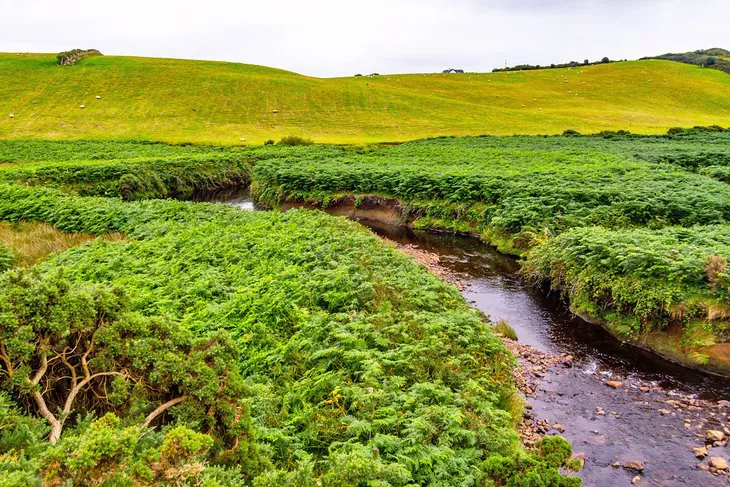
(664, 343)
(371, 208)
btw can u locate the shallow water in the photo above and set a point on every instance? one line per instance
(632, 428)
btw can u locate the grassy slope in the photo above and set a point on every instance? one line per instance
(200, 101)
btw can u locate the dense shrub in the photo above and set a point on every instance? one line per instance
(293, 140)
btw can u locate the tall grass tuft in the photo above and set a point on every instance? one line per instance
(27, 243)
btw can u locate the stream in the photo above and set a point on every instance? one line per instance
(660, 413)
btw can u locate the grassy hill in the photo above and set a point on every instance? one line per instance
(201, 101)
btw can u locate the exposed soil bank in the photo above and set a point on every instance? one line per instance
(372, 208)
(664, 344)
(389, 211)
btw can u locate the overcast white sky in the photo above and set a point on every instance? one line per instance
(342, 37)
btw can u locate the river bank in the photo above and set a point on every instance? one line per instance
(626, 425)
(645, 430)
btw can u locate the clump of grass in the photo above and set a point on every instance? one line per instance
(503, 328)
(295, 140)
(30, 242)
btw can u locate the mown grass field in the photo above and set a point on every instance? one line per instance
(215, 102)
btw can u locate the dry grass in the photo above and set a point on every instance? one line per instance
(32, 242)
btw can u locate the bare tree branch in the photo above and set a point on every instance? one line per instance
(74, 392)
(161, 409)
(41, 370)
(6, 359)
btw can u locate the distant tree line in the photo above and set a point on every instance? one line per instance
(73, 56)
(571, 64)
(714, 58)
(673, 131)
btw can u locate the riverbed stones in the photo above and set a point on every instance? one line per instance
(700, 452)
(714, 436)
(664, 411)
(615, 384)
(636, 480)
(718, 463)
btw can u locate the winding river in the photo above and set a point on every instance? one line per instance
(657, 417)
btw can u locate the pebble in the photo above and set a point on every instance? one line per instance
(664, 411)
(614, 383)
(700, 452)
(636, 480)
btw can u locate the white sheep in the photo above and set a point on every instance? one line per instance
(82, 106)
(98, 97)
(12, 115)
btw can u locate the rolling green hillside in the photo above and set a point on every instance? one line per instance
(201, 101)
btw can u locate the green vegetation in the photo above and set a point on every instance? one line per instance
(295, 348)
(514, 196)
(7, 258)
(571, 64)
(130, 170)
(265, 348)
(627, 226)
(714, 58)
(213, 102)
(653, 277)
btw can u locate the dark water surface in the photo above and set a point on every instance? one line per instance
(632, 428)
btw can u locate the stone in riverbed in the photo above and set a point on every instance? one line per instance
(636, 480)
(700, 452)
(714, 435)
(633, 465)
(614, 383)
(718, 463)
(664, 411)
